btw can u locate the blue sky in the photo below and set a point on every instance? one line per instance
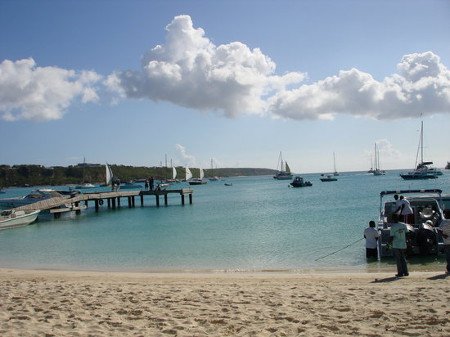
(237, 81)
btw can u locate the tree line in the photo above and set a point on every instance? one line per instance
(38, 175)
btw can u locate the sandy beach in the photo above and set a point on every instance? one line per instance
(63, 303)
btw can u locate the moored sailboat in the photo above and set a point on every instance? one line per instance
(84, 184)
(284, 171)
(213, 177)
(422, 171)
(199, 180)
(335, 173)
(377, 171)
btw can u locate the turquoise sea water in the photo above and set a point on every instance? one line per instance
(256, 224)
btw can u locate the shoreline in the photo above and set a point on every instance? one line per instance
(387, 265)
(75, 303)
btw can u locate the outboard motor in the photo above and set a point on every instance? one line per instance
(426, 239)
(411, 238)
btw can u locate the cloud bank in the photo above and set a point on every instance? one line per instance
(421, 86)
(231, 79)
(190, 71)
(41, 93)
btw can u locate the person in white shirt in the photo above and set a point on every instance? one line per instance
(371, 235)
(403, 208)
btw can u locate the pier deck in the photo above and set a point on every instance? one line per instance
(113, 199)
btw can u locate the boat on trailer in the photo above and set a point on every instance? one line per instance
(423, 236)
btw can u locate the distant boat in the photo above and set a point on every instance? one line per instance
(377, 171)
(174, 176)
(228, 184)
(300, 182)
(335, 173)
(108, 175)
(328, 177)
(32, 197)
(130, 185)
(84, 184)
(213, 177)
(188, 174)
(199, 180)
(11, 218)
(284, 171)
(447, 167)
(423, 171)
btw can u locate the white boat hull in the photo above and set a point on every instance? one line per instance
(18, 219)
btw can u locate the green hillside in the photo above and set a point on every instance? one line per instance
(36, 175)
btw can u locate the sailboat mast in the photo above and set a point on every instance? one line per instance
(375, 161)
(421, 142)
(334, 161)
(378, 159)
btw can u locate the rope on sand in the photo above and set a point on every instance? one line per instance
(351, 244)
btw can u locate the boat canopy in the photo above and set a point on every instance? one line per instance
(383, 193)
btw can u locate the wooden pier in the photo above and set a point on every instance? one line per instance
(59, 205)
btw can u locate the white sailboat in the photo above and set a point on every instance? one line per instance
(199, 180)
(174, 173)
(284, 172)
(335, 173)
(188, 174)
(213, 177)
(108, 175)
(377, 171)
(174, 176)
(423, 170)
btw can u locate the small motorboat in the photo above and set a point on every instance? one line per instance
(228, 184)
(197, 181)
(130, 185)
(328, 177)
(34, 196)
(300, 182)
(84, 186)
(11, 218)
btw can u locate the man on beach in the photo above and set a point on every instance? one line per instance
(371, 235)
(445, 230)
(398, 240)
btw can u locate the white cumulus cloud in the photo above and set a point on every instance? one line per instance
(186, 158)
(37, 93)
(190, 71)
(421, 86)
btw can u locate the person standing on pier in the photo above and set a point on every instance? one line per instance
(152, 183)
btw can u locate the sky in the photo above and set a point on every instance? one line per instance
(134, 82)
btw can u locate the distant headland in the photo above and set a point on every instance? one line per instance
(38, 175)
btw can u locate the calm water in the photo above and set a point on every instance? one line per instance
(256, 224)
